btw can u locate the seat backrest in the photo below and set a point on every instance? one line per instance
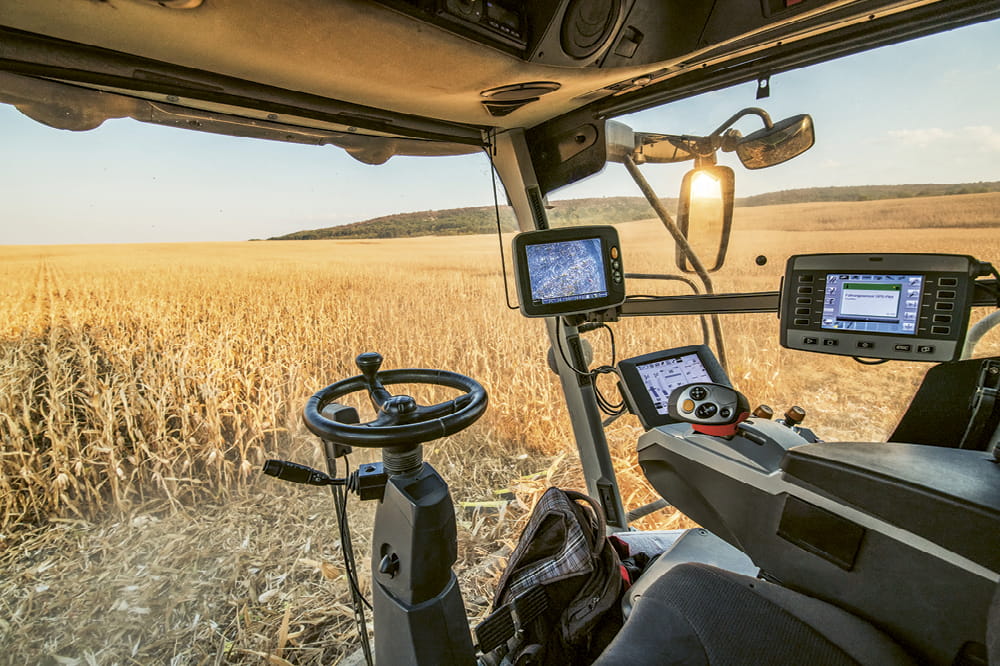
(945, 404)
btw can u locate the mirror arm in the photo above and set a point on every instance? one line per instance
(753, 110)
(679, 238)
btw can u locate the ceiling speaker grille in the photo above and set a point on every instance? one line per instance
(587, 25)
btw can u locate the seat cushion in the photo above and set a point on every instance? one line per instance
(697, 615)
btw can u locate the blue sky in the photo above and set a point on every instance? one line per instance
(921, 112)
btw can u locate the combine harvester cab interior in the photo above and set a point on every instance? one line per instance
(809, 550)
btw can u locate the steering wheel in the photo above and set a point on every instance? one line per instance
(400, 421)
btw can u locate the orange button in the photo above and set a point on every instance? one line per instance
(614, 252)
(687, 406)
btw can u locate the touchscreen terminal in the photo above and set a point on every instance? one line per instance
(569, 270)
(651, 378)
(912, 307)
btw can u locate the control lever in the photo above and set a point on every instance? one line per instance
(711, 409)
(368, 482)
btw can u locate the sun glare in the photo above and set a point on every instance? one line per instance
(705, 186)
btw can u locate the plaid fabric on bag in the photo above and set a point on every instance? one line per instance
(565, 564)
(563, 551)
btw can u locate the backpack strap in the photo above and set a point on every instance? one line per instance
(602, 523)
(503, 624)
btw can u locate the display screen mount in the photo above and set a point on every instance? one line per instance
(648, 380)
(570, 270)
(912, 307)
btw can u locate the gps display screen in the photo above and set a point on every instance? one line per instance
(566, 271)
(648, 380)
(662, 377)
(872, 303)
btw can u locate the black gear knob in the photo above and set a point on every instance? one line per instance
(369, 363)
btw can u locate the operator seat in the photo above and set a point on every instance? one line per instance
(697, 615)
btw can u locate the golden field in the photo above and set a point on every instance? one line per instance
(142, 386)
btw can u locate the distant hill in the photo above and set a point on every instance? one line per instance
(482, 220)
(608, 210)
(865, 193)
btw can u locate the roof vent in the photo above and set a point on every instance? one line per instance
(507, 99)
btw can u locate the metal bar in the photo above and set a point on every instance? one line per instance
(682, 242)
(763, 301)
(513, 163)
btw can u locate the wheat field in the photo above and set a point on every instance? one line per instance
(142, 386)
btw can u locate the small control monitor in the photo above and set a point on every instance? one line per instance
(648, 380)
(570, 270)
(911, 307)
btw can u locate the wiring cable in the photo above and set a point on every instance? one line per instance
(358, 601)
(605, 405)
(496, 209)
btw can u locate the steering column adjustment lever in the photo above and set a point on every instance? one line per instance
(287, 470)
(368, 481)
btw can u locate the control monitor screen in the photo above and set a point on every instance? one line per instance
(872, 303)
(662, 377)
(571, 270)
(566, 271)
(889, 306)
(648, 380)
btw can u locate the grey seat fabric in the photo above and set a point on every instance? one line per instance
(697, 615)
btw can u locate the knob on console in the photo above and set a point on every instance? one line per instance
(763, 412)
(794, 416)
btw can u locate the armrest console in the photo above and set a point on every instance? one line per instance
(948, 496)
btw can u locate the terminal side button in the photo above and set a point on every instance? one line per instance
(903, 348)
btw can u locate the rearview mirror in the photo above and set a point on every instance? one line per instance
(776, 144)
(705, 216)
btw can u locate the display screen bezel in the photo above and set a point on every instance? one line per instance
(947, 282)
(641, 402)
(610, 257)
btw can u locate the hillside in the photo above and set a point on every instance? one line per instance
(608, 210)
(481, 220)
(866, 193)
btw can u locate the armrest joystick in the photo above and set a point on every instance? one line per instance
(712, 409)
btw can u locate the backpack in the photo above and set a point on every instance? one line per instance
(558, 600)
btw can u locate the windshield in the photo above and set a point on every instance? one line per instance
(151, 357)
